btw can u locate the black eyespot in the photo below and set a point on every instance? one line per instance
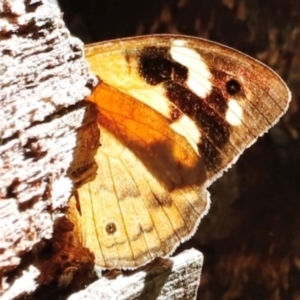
(111, 228)
(233, 87)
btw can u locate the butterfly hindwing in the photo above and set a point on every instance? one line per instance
(174, 112)
(149, 191)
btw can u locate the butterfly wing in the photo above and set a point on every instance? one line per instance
(218, 98)
(174, 112)
(149, 191)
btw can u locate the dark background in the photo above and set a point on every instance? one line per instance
(251, 237)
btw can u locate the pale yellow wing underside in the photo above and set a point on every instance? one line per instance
(149, 192)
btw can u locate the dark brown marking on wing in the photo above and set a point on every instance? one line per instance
(216, 131)
(161, 200)
(111, 228)
(232, 87)
(157, 66)
(217, 101)
(176, 114)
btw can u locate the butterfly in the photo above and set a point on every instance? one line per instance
(175, 112)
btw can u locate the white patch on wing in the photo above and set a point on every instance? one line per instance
(199, 76)
(234, 114)
(153, 97)
(187, 128)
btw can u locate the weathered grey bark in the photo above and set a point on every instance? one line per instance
(164, 279)
(43, 128)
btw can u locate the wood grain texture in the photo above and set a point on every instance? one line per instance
(44, 127)
(163, 279)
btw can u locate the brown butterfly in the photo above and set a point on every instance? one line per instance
(174, 113)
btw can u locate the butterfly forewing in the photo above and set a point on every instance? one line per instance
(174, 112)
(219, 98)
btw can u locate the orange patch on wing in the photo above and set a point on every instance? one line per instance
(149, 188)
(140, 127)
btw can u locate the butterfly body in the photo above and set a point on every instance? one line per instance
(174, 113)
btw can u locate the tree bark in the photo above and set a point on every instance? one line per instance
(45, 126)
(164, 279)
